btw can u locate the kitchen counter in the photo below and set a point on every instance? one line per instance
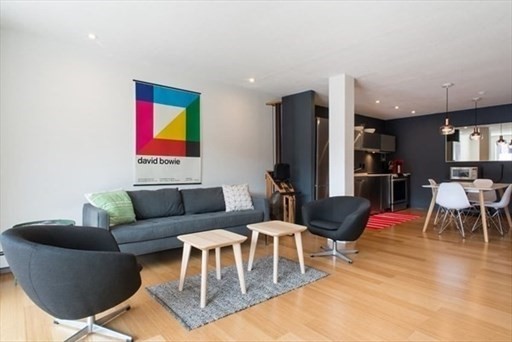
(365, 174)
(386, 191)
(376, 188)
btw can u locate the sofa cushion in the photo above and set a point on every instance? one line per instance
(203, 200)
(116, 203)
(158, 228)
(156, 203)
(237, 197)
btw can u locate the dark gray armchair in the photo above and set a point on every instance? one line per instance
(340, 218)
(73, 273)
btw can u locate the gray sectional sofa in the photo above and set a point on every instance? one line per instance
(162, 215)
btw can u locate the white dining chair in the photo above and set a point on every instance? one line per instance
(452, 197)
(495, 216)
(489, 196)
(440, 209)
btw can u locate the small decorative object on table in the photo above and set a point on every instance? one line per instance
(56, 222)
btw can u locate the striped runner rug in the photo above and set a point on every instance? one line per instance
(385, 220)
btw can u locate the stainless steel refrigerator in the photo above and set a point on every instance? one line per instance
(322, 158)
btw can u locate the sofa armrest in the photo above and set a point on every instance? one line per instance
(261, 203)
(95, 217)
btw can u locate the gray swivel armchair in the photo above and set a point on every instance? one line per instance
(73, 273)
(340, 218)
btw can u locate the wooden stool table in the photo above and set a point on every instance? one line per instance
(276, 229)
(209, 240)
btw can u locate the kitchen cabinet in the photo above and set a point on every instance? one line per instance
(375, 188)
(369, 142)
(387, 143)
(374, 142)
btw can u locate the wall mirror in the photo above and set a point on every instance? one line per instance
(459, 147)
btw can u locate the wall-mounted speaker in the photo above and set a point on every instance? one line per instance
(281, 172)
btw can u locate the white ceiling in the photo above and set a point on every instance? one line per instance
(400, 52)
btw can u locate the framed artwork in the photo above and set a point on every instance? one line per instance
(167, 135)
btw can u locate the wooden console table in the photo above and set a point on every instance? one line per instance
(287, 192)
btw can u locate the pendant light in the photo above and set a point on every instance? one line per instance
(447, 129)
(501, 141)
(476, 135)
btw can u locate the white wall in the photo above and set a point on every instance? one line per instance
(67, 128)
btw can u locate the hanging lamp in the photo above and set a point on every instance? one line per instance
(501, 141)
(447, 129)
(476, 135)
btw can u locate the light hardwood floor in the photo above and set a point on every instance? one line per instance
(404, 285)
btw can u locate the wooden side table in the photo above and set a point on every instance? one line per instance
(276, 229)
(209, 240)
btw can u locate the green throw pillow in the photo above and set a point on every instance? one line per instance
(117, 203)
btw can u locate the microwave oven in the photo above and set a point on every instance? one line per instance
(464, 173)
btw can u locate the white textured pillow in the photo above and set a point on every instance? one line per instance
(237, 197)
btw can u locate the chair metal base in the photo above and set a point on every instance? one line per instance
(334, 251)
(440, 211)
(455, 216)
(494, 218)
(92, 326)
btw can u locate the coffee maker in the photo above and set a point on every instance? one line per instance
(396, 166)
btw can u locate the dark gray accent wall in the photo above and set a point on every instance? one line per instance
(420, 145)
(368, 122)
(297, 145)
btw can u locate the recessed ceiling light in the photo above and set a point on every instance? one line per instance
(396, 107)
(251, 80)
(481, 92)
(91, 36)
(377, 101)
(413, 112)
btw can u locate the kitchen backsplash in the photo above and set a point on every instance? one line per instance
(370, 162)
